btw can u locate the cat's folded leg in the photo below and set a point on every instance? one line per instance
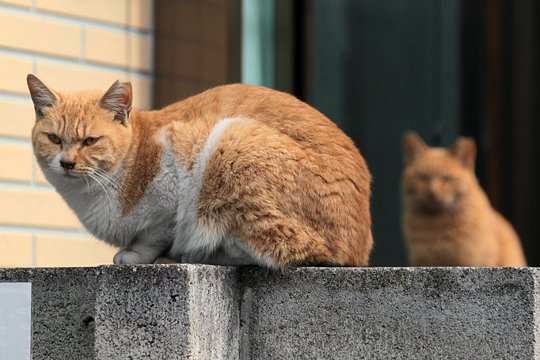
(144, 250)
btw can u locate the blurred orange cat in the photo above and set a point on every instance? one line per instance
(447, 217)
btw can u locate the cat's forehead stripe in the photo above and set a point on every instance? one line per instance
(439, 152)
(72, 127)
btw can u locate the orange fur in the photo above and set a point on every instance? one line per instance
(284, 181)
(447, 218)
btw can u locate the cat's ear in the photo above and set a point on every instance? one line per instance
(118, 101)
(41, 95)
(413, 145)
(464, 149)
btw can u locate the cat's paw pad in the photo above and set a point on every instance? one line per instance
(126, 257)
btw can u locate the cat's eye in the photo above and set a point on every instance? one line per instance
(447, 178)
(89, 141)
(54, 139)
(423, 177)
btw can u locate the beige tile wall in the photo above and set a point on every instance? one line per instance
(70, 45)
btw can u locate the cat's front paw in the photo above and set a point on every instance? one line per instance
(127, 256)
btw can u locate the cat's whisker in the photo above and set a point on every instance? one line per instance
(97, 180)
(107, 183)
(119, 191)
(87, 183)
(106, 177)
(106, 180)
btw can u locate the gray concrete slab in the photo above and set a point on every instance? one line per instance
(330, 313)
(166, 312)
(63, 302)
(536, 294)
(212, 312)
(141, 313)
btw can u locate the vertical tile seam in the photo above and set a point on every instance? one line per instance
(33, 249)
(127, 35)
(33, 174)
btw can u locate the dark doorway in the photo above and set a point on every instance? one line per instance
(442, 68)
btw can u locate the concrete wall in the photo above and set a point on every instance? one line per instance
(71, 45)
(211, 312)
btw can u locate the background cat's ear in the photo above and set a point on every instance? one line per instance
(118, 101)
(464, 150)
(413, 145)
(41, 95)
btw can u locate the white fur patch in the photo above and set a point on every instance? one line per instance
(196, 244)
(190, 238)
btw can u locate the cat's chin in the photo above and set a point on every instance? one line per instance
(71, 177)
(433, 208)
(66, 178)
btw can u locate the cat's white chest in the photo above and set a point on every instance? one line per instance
(98, 205)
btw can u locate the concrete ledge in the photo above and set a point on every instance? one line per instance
(166, 312)
(212, 312)
(63, 303)
(390, 314)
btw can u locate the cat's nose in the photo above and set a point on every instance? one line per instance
(67, 165)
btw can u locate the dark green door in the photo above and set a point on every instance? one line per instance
(378, 68)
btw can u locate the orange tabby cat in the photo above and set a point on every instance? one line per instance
(447, 218)
(235, 175)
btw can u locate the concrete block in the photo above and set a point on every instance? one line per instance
(536, 324)
(166, 312)
(386, 313)
(63, 302)
(212, 312)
